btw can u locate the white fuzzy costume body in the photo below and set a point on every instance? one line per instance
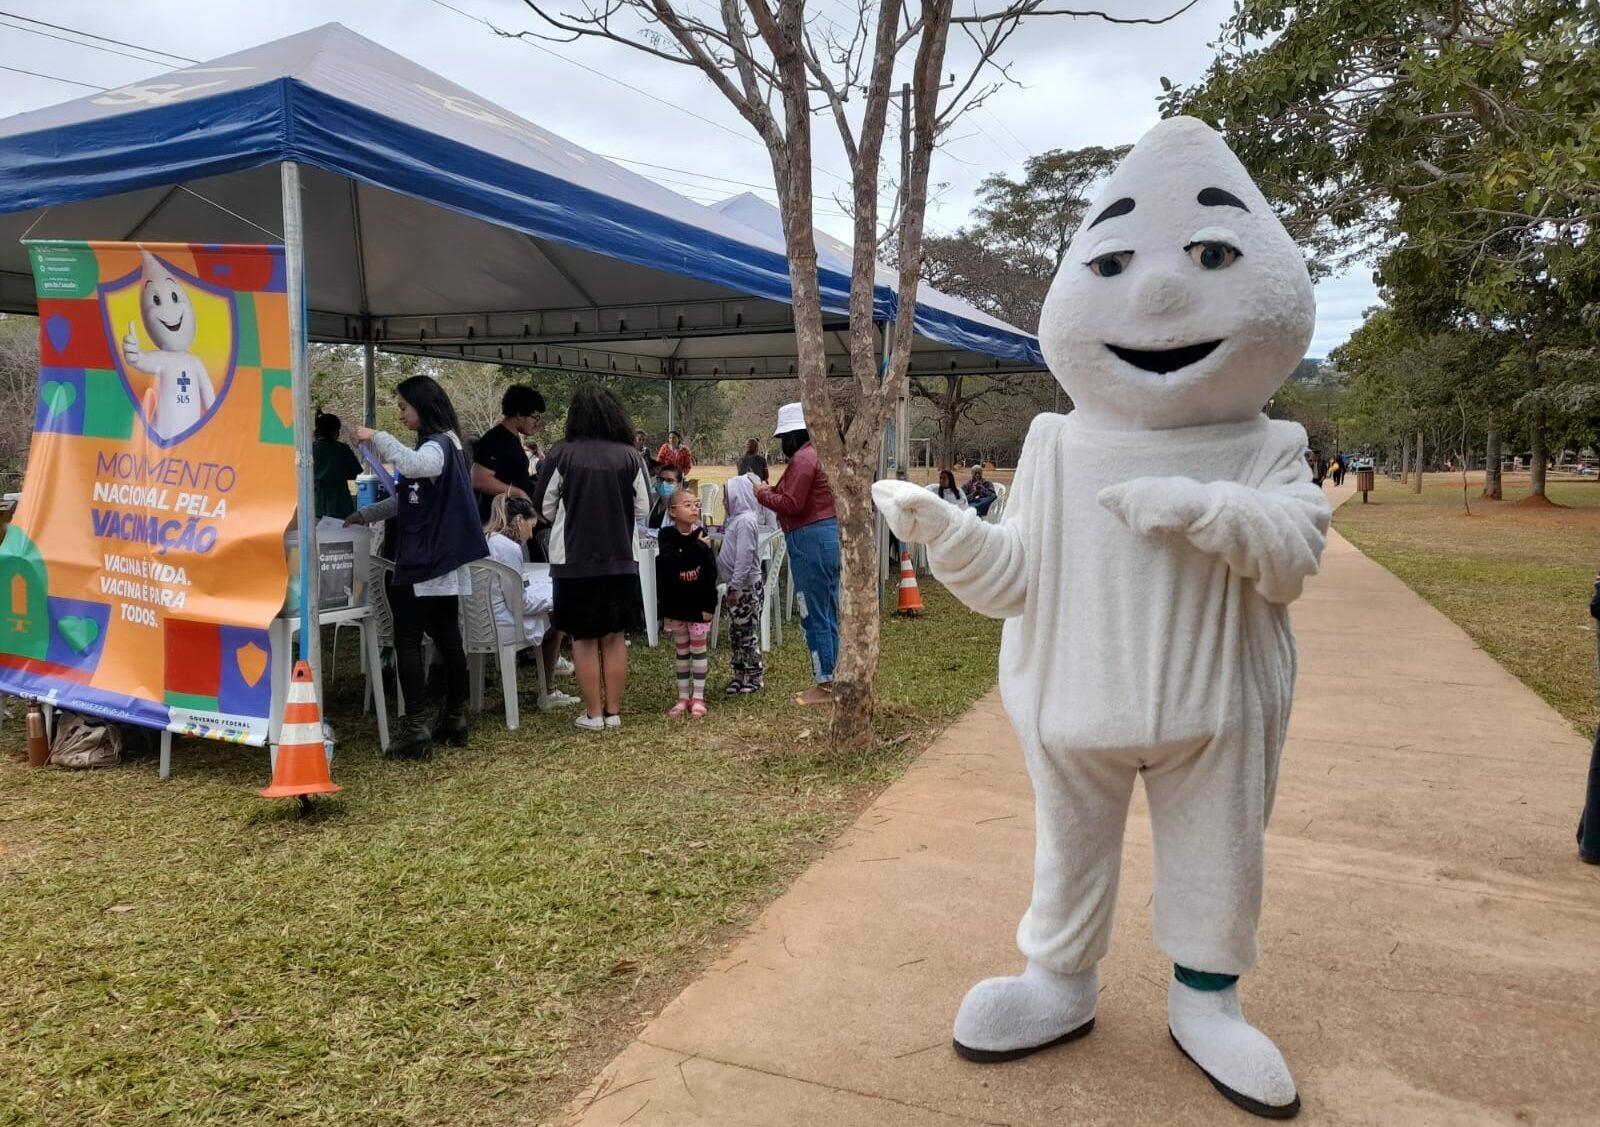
(1150, 546)
(1170, 653)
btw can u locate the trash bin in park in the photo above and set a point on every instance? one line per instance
(1364, 482)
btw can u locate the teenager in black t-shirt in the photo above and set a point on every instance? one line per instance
(499, 461)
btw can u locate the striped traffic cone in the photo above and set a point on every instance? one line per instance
(910, 593)
(302, 764)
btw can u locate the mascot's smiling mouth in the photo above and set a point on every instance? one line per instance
(1162, 361)
(174, 327)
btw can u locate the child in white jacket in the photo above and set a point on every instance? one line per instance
(739, 567)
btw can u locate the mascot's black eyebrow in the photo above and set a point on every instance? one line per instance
(1121, 207)
(1216, 197)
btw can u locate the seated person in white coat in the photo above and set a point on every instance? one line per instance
(948, 490)
(511, 522)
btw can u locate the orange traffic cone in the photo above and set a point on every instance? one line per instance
(910, 594)
(302, 766)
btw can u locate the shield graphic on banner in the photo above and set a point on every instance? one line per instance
(252, 662)
(175, 341)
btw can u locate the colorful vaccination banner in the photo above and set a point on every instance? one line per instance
(146, 559)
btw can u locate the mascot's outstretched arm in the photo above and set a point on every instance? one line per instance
(984, 565)
(1272, 535)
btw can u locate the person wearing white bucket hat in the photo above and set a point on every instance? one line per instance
(804, 504)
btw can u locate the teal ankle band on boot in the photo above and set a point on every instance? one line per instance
(1203, 980)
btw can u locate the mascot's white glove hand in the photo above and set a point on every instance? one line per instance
(913, 513)
(1156, 504)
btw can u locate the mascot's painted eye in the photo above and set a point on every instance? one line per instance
(1110, 265)
(1212, 256)
(175, 298)
(157, 298)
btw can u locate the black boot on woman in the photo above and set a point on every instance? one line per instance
(414, 743)
(451, 727)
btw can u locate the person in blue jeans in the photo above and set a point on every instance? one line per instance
(803, 501)
(1589, 820)
(980, 492)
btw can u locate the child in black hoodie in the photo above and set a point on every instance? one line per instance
(686, 593)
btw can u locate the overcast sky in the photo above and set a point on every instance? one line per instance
(1081, 83)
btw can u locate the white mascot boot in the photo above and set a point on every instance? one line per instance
(1152, 542)
(1005, 1019)
(1239, 1060)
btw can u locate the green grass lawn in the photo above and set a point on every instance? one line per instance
(463, 942)
(1517, 579)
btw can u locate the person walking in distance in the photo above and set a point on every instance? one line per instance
(753, 460)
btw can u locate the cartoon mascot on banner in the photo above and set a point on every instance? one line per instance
(182, 392)
(1150, 549)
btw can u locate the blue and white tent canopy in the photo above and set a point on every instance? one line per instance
(437, 222)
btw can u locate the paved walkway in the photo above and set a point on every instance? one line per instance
(1430, 948)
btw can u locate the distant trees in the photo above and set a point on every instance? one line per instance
(1003, 262)
(19, 382)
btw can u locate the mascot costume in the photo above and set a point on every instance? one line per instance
(1149, 551)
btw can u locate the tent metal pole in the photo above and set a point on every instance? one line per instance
(882, 526)
(672, 421)
(902, 431)
(300, 394)
(369, 382)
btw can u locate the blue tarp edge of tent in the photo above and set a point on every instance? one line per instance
(286, 119)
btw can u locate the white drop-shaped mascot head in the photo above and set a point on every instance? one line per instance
(1182, 300)
(165, 307)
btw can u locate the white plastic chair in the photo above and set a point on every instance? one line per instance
(481, 637)
(771, 613)
(645, 553)
(998, 509)
(710, 494)
(716, 615)
(382, 622)
(772, 578)
(377, 570)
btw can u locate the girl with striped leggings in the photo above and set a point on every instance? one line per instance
(686, 593)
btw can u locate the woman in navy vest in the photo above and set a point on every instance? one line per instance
(436, 534)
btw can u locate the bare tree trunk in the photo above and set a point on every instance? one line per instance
(1491, 466)
(1536, 461)
(1417, 486)
(1405, 460)
(947, 440)
(949, 416)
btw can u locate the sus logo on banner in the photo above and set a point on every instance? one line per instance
(145, 562)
